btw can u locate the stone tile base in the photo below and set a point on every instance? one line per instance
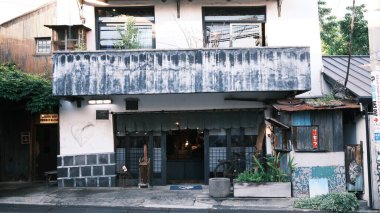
(91, 170)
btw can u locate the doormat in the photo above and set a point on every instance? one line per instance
(185, 187)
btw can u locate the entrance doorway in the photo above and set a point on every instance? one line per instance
(45, 149)
(185, 156)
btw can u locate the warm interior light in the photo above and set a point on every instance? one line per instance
(107, 101)
(97, 2)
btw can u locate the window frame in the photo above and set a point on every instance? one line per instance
(139, 22)
(47, 45)
(235, 22)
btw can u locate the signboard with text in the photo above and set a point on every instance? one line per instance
(48, 118)
(375, 78)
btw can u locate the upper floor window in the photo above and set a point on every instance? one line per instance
(68, 37)
(43, 45)
(112, 26)
(234, 26)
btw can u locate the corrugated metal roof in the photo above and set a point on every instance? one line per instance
(359, 79)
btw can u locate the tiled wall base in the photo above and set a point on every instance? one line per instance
(335, 176)
(92, 170)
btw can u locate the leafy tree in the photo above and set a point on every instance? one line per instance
(35, 91)
(335, 34)
(129, 36)
(360, 45)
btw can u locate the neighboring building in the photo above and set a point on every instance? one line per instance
(355, 127)
(28, 145)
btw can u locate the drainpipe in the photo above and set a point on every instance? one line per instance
(365, 101)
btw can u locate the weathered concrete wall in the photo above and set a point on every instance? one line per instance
(298, 25)
(17, 40)
(329, 165)
(181, 71)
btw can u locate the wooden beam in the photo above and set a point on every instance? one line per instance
(279, 4)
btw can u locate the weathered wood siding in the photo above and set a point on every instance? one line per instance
(181, 71)
(330, 129)
(17, 40)
(14, 156)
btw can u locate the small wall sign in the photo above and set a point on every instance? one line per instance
(102, 114)
(25, 137)
(49, 119)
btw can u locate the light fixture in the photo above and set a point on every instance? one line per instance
(97, 2)
(95, 102)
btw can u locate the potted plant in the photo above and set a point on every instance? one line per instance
(266, 180)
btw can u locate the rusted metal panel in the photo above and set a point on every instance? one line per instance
(181, 71)
(307, 107)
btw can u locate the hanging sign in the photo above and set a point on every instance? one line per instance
(375, 78)
(48, 118)
(314, 140)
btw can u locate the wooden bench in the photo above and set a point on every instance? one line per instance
(51, 177)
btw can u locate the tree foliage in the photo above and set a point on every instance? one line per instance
(35, 91)
(129, 36)
(335, 34)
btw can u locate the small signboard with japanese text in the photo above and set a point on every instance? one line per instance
(48, 118)
(375, 78)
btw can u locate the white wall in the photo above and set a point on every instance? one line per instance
(81, 133)
(318, 159)
(361, 136)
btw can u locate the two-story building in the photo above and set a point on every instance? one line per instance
(197, 88)
(196, 91)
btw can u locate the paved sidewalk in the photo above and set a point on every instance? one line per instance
(154, 197)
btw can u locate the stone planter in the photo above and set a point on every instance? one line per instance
(219, 187)
(267, 189)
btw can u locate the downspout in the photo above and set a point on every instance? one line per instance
(366, 101)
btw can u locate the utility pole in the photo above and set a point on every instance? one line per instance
(374, 47)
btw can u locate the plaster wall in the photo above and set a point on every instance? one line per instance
(81, 133)
(361, 136)
(319, 159)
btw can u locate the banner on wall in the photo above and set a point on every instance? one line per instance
(375, 78)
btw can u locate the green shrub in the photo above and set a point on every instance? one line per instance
(33, 90)
(269, 171)
(336, 202)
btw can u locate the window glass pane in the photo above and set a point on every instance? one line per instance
(43, 45)
(246, 35)
(112, 23)
(234, 26)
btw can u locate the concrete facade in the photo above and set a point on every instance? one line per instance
(292, 51)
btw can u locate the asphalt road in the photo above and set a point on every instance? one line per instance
(5, 208)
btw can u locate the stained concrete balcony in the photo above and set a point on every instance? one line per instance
(124, 72)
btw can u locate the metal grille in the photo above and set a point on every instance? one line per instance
(133, 156)
(216, 154)
(157, 160)
(120, 159)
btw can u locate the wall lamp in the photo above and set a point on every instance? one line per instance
(96, 102)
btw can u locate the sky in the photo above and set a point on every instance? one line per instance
(12, 8)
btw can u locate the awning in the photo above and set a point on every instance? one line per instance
(162, 121)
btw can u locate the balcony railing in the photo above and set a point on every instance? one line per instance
(264, 69)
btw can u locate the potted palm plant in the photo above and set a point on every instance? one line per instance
(266, 180)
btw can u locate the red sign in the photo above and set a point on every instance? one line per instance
(315, 138)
